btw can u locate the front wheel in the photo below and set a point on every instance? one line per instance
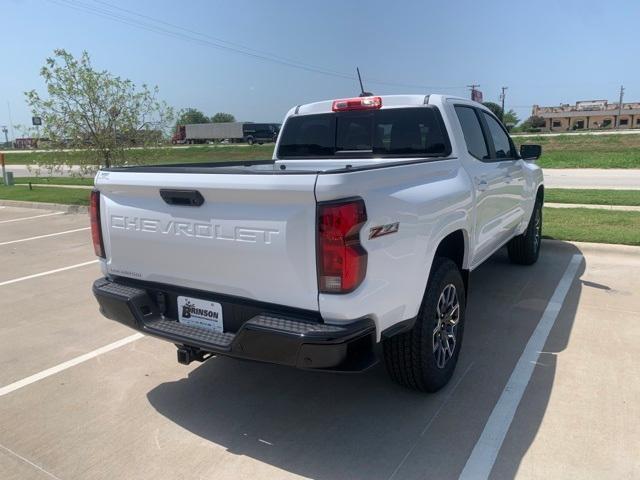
(525, 249)
(425, 357)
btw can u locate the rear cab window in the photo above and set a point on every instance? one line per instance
(394, 132)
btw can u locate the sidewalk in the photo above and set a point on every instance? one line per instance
(623, 208)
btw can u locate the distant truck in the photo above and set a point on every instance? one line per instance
(25, 143)
(234, 131)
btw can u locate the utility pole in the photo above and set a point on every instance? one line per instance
(473, 87)
(502, 97)
(620, 106)
(13, 136)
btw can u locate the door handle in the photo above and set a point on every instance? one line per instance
(482, 184)
(186, 198)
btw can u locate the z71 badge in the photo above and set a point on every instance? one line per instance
(382, 230)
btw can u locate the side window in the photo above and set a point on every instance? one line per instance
(472, 132)
(500, 138)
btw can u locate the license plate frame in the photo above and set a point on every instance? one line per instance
(200, 313)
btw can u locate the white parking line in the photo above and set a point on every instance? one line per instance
(445, 402)
(49, 272)
(29, 218)
(12, 387)
(45, 236)
(483, 456)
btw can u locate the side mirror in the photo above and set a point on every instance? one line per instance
(530, 152)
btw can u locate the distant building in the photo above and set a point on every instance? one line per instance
(589, 114)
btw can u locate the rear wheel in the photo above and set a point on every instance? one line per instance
(250, 141)
(525, 249)
(425, 357)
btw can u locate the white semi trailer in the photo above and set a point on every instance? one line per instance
(238, 131)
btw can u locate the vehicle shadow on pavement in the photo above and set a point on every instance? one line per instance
(363, 426)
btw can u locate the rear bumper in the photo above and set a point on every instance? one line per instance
(264, 334)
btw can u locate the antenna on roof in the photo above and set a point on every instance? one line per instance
(362, 92)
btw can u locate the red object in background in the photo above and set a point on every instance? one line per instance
(180, 135)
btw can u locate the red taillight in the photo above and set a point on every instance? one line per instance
(358, 103)
(342, 261)
(96, 229)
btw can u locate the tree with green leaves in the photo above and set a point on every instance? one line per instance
(510, 118)
(495, 108)
(222, 117)
(532, 124)
(96, 111)
(189, 116)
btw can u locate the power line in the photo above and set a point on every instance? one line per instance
(79, 6)
(216, 39)
(110, 12)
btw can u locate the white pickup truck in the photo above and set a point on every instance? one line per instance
(355, 241)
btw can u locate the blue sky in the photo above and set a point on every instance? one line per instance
(546, 52)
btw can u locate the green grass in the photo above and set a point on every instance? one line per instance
(586, 151)
(592, 197)
(68, 196)
(588, 225)
(53, 180)
(208, 153)
(579, 159)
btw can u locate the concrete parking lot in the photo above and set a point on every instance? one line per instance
(82, 397)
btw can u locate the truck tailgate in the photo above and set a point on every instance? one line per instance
(253, 237)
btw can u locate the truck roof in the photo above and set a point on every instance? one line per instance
(388, 101)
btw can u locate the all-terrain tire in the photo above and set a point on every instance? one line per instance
(525, 249)
(411, 357)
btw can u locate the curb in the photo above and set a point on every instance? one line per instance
(46, 206)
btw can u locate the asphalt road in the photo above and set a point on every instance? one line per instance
(616, 179)
(23, 171)
(82, 397)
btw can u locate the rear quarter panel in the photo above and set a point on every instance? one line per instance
(533, 179)
(429, 200)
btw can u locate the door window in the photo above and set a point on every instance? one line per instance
(501, 141)
(472, 131)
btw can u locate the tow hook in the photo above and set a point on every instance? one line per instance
(186, 355)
